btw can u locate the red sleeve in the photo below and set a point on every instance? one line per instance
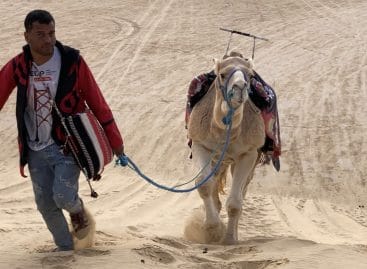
(7, 83)
(96, 102)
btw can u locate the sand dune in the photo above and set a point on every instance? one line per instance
(312, 214)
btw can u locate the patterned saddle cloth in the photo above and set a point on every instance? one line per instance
(263, 96)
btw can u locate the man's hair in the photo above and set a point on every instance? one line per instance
(38, 15)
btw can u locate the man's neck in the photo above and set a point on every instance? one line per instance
(40, 59)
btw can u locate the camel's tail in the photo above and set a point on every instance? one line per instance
(222, 180)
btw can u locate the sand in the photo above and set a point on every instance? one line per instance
(312, 214)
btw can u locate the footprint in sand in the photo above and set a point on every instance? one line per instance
(58, 261)
(64, 260)
(171, 242)
(257, 264)
(105, 239)
(261, 264)
(92, 252)
(155, 253)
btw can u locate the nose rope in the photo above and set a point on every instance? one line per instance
(229, 95)
(224, 88)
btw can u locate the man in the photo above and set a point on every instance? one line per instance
(48, 72)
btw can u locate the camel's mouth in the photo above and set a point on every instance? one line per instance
(236, 95)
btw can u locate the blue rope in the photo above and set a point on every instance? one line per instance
(124, 160)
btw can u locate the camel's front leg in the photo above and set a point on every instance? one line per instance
(241, 171)
(213, 227)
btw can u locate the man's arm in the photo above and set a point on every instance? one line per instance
(7, 83)
(96, 102)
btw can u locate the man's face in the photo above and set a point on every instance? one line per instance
(41, 38)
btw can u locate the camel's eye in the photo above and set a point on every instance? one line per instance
(222, 76)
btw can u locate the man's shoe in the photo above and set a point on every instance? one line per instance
(80, 223)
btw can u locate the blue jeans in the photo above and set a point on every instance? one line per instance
(55, 184)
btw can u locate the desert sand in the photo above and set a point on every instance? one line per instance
(311, 214)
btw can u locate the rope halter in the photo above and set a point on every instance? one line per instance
(228, 94)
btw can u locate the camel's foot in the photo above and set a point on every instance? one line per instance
(229, 239)
(213, 232)
(199, 231)
(194, 226)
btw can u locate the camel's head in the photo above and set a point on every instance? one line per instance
(233, 78)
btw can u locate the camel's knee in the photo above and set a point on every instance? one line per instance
(217, 202)
(233, 211)
(205, 191)
(234, 208)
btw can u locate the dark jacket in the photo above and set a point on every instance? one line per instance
(77, 89)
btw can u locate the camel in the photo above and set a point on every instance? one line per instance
(207, 130)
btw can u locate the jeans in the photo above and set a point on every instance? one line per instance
(55, 184)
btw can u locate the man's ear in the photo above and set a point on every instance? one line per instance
(26, 36)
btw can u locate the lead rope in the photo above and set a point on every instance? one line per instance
(124, 160)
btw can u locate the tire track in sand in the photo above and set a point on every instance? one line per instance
(125, 41)
(156, 21)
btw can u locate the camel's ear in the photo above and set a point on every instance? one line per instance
(216, 66)
(250, 62)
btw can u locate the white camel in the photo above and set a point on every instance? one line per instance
(208, 131)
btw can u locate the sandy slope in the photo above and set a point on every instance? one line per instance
(312, 214)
